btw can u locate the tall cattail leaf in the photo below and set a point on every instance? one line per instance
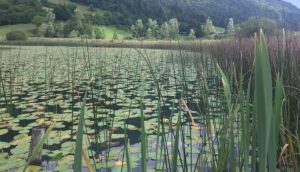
(263, 104)
(79, 138)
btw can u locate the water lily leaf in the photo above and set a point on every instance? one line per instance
(20, 149)
(4, 145)
(21, 139)
(3, 131)
(32, 168)
(61, 168)
(67, 160)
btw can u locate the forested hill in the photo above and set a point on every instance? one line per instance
(193, 12)
(190, 13)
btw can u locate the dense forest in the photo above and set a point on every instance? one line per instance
(126, 12)
(186, 11)
(19, 11)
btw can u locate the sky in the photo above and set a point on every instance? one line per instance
(295, 2)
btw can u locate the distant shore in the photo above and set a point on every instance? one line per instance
(149, 44)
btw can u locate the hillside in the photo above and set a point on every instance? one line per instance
(121, 14)
(191, 13)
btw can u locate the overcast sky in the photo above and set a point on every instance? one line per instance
(295, 2)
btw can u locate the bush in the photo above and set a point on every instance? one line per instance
(253, 24)
(16, 36)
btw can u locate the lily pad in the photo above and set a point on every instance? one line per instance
(4, 145)
(3, 131)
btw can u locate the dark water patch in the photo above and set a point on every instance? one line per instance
(54, 108)
(8, 136)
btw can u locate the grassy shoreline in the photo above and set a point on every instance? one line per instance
(149, 44)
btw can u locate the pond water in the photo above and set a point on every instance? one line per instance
(42, 86)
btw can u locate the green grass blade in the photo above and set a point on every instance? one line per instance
(226, 86)
(247, 127)
(128, 156)
(176, 141)
(144, 146)
(79, 138)
(143, 142)
(263, 104)
(38, 147)
(275, 124)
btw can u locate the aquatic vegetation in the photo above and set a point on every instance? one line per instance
(149, 110)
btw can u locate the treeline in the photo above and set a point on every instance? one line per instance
(74, 26)
(150, 29)
(19, 11)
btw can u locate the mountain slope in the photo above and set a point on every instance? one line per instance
(294, 2)
(191, 13)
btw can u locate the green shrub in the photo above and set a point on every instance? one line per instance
(16, 36)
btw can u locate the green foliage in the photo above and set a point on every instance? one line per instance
(50, 17)
(59, 29)
(191, 35)
(19, 11)
(76, 24)
(164, 31)
(42, 29)
(230, 30)
(73, 34)
(173, 28)
(79, 137)
(88, 31)
(16, 36)
(138, 29)
(99, 33)
(176, 144)
(187, 11)
(64, 12)
(149, 34)
(263, 100)
(253, 24)
(115, 36)
(209, 29)
(37, 20)
(152, 24)
(50, 31)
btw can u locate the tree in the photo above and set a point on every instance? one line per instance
(173, 28)
(50, 32)
(37, 20)
(42, 29)
(78, 14)
(73, 34)
(138, 29)
(99, 33)
(191, 35)
(77, 21)
(75, 24)
(16, 36)
(19, 11)
(152, 24)
(50, 17)
(47, 28)
(64, 12)
(149, 34)
(59, 29)
(209, 28)
(230, 30)
(164, 31)
(115, 36)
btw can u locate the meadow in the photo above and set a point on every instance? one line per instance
(229, 105)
